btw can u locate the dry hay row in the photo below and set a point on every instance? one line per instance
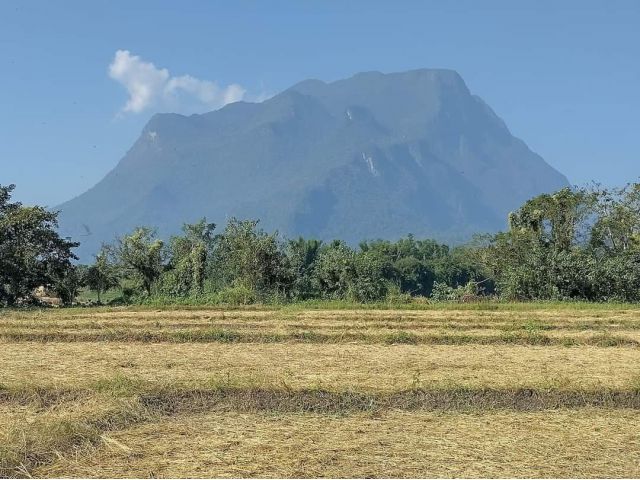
(396, 324)
(564, 309)
(28, 446)
(43, 397)
(330, 402)
(571, 313)
(342, 317)
(37, 445)
(32, 446)
(171, 400)
(217, 335)
(561, 444)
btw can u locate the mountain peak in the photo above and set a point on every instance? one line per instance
(425, 77)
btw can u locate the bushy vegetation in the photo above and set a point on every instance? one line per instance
(244, 264)
(32, 253)
(575, 244)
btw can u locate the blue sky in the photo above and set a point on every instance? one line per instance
(565, 76)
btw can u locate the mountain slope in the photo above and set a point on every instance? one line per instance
(373, 156)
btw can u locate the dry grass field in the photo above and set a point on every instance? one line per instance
(473, 391)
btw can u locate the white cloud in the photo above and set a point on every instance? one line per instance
(152, 87)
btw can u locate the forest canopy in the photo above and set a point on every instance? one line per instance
(575, 244)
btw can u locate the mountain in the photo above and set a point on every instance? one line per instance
(372, 156)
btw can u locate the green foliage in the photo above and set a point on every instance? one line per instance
(189, 254)
(574, 244)
(334, 270)
(248, 257)
(396, 297)
(556, 220)
(301, 255)
(67, 283)
(414, 265)
(237, 295)
(141, 256)
(444, 293)
(411, 263)
(102, 275)
(369, 281)
(32, 253)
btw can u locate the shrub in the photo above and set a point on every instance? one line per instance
(396, 297)
(237, 295)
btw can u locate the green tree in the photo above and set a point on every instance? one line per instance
(68, 283)
(334, 269)
(248, 257)
(141, 256)
(558, 244)
(369, 279)
(301, 256)
(31, 251)
(618, 226)
(102, 274)
(190, 254)
(558, 220)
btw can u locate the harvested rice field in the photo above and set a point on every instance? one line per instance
(496, 390)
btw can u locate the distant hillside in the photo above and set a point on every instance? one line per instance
(373, 156)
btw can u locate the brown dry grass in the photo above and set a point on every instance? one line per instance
(31, 434)
(588, 443)
(36, 435)
(362, 367)
(456, 327)
(276, 317)
(229, 409)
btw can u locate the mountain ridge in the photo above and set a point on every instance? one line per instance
(372, 156)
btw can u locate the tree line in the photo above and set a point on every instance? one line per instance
(575, 244)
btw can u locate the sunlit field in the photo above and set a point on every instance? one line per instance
(493, 390)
